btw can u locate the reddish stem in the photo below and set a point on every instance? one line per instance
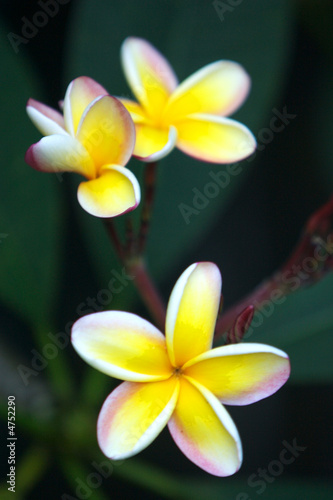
(240, 326)
(319, 227)
(148, 291)
(261, 293)
(149, 181)
(131, 254)
(110, 227)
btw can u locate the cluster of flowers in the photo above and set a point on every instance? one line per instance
(176, 379)
(97, 133)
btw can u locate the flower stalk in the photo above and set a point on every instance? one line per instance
(147, 289)
(150, 181)
(131, 253)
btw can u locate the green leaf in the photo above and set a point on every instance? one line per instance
(236, 488)
(320, 122)
(29, 204)
(77, 475)
(302, 325)
(31, 469)
(97, 31)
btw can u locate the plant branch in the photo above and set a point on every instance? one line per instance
(147, 290)
(310, 261)
(149, 181)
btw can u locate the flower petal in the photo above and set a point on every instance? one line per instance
(148, 73)
(135, 110)
(80, 93)
(214, 139)
(115, 192)
(153, 143)
(192, 311)
(240, 374)
(60, 153)
(107, 131)
(122, 345)
(219, 89)
(204, 431)
(46, 119)
(133, 416)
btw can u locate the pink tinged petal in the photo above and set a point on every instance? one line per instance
(60, 153)
(107, 132)
(214, 139)
(122, 345)
(204, 431)
(46, 119)
(240, 374)
(115, 192)
(218, 88)
(192, 311)
(80, 93)
(133, 415)
(153, 143)
(148, 73)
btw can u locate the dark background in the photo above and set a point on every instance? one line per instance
(249, 238)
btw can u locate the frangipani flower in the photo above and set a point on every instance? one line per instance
(190, 116)
(179, 379)
(94, 137)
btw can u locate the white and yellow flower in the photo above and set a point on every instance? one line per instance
(190, 116)
(94, 137)
(178, 379)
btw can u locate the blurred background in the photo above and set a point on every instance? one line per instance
(54, 256)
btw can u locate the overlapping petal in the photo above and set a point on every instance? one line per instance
(148, 73)
(177, 380)
(94, 138)
(47, 120)
(218, 88)
(192, 312)
(214, 139)
(60, 153)
(122, 345)
(135, 110)
(153, 143)
(133, 415)
(80, 93)
(196, 108)
(204, 431)
(107, 132)
(114, 192)
(240, 374)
